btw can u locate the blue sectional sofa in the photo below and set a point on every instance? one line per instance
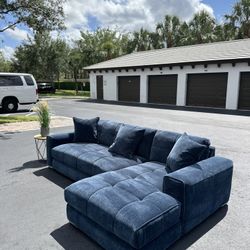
(136, 203)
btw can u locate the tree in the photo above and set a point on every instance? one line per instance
(169, 31)
(43, 57)
(155, 40)
(101, 45)
(75, 64)
(202, 28)
(40, 15)
(185, 36)
(58, 57)
(141, 40)
(89, 47)
(5, 65)
(239, 20)
(109, 43)
(224, 32)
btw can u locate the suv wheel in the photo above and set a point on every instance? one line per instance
(10, 105)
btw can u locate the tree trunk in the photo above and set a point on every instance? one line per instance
(76, 83)
(58, 80)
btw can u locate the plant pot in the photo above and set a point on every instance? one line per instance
(44, 131)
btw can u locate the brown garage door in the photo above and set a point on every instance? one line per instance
(207, 90)
(99, 87)
(162, 89)
(244, 94)
(129, 88)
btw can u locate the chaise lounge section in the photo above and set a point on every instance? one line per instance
(138, 202)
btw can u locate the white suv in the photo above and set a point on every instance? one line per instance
(17, 88)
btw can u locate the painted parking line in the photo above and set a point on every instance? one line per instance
(31, 113)
(14, 114)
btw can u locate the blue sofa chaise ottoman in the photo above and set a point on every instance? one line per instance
(137, 202)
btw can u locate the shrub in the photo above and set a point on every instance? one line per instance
(72, 86)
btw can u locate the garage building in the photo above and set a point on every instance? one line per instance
(214, 75)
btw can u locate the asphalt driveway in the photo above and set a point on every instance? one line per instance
(32, 206)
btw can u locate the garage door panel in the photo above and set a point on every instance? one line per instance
(207, 90)
(129, 88)
(162, 89)
(99, 87)
(244, 93)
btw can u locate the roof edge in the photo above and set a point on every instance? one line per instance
(173, 64)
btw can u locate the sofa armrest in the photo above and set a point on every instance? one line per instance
(201, 188)
(211, 151)
(54, 140)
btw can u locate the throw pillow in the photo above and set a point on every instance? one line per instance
(85, 130)
(184, 153)
(127, 140)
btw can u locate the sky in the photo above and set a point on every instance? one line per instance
(126, 15)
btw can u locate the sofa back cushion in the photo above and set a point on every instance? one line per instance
(144, 147)
(127, 140)
(164, 141)
(185, 152)
(107, 131)
(85, 130)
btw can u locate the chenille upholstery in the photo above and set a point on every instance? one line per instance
(126, 203)
(137, 203)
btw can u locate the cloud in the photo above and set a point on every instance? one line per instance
(17, 34)
(127, 15)
(8, 52)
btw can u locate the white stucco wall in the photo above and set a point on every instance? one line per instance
(111, 89)
(92, 80)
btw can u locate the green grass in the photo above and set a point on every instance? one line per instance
(60, 92)
(17, 118)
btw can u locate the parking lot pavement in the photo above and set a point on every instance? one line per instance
(31, 195)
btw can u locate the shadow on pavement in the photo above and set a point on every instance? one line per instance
(54, 177)
(190, 238)
(16, 113)
(29, 165)
(3, 136)
(71, 238)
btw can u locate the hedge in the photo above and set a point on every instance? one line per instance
(72, 86)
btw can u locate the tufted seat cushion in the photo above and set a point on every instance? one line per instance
(127, 203)
(97, 162)
(151, 172)
(90, 158)
(68, 153)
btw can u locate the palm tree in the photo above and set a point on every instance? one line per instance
(239, 20)
(168, 30)
(202, 28)
(109, 41)
(185, 35)
(141, 40)
(155, 40)
(224, 32)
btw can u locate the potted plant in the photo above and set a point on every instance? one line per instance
(43, 113)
